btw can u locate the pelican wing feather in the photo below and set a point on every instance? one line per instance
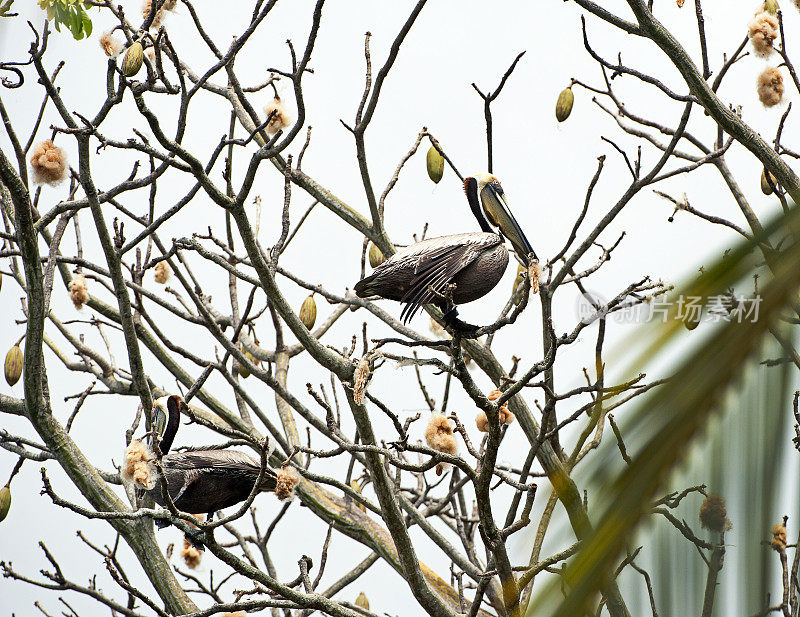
(438, 267)
(210, 459)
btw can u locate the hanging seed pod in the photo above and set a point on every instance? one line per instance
(132, 61)
(13, 367)
(435, 162)
(767, 184)
(308, 312)
(5, 492)
(376, 257)
(362, 601)
(564, 104)
(243, 370)
(5, 501)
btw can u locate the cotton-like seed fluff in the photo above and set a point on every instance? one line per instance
(770, 87)
(191, 556)
(280, 119)
(162, 272)
(763, 31)
(439, 434)
(111, 46)
(78, 291)
(49, 163)
(778, 541)
(138, 465)
(506, 417)
(713, 514)
(158, 18)
(285, 483)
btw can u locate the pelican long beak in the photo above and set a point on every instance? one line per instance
(494, 204)
(159, 417)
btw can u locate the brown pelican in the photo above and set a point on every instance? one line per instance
(203, 481)
(454, 269)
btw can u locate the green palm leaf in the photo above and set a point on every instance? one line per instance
(666, 422)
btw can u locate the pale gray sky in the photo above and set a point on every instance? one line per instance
(544, 167)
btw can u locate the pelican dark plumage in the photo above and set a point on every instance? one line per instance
(454, 269)
(204, 481)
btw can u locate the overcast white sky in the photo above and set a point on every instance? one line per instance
(544, 167)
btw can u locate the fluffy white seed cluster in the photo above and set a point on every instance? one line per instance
(440, 436)
(138, 465)
(763, 31)
(110, 45)
(286, 482)
(78, 291)
(280, 117)
(770, 87)
(162, 272)
(49, 163)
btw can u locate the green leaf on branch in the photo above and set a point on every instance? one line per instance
(69, 13)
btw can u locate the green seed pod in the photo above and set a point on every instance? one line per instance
(243, 370)
(564, 104)
(308, 312)
(771, 6)
(14, 361)
(5, 501)
(765, 184)
(435, 162)
(132, 61)
(376, 258)
(362, 601)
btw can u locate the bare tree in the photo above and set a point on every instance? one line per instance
(360, 471)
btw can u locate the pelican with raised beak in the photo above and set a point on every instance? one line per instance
(454, 269)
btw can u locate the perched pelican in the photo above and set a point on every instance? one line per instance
(454, 269)
(203, 481)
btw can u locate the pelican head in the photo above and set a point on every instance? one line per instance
(488, 203)
(166, 417)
